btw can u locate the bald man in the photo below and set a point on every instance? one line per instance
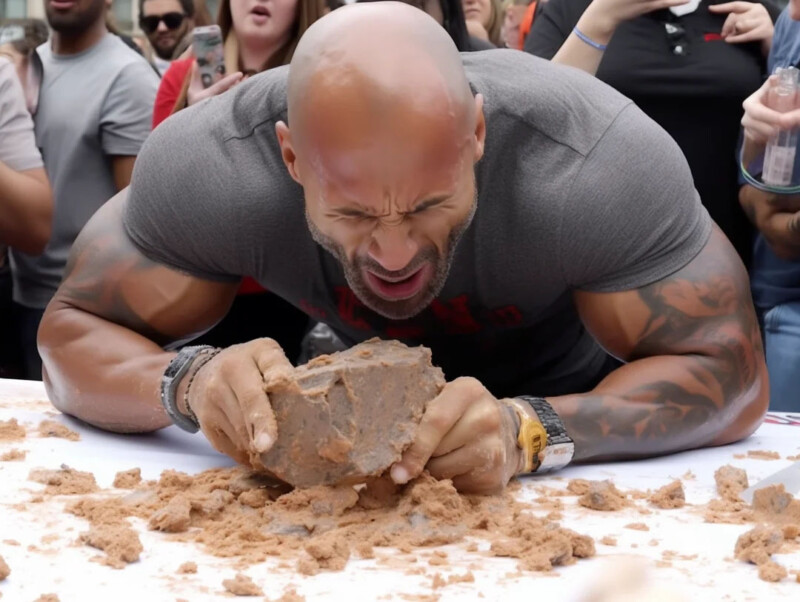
(523, 220)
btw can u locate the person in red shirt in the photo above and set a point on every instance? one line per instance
(258, 36)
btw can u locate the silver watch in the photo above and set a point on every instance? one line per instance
(560, 448)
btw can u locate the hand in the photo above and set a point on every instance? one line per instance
(465, 435)
(227, 396)
(761, 122)
(601, 19)
(477, 30)
(197, 92)
(777, 217)
(746, 22)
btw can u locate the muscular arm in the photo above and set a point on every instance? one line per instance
(696, 373)
(102, 336)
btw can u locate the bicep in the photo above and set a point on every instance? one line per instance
(109, 277)
(704, 308)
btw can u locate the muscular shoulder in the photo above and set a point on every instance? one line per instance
(560, 105)
(210, 190)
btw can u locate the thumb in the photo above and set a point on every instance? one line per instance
(265, 431)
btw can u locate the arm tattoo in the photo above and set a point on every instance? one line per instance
(701, 352)
(100, 257)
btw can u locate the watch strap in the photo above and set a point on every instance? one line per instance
(560, 448)
(170, 381)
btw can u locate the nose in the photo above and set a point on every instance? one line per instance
(162, 27)
(392, 246)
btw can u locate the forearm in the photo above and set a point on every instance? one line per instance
(577, 53)
(25, 209)
(661, 405)
(102, 373)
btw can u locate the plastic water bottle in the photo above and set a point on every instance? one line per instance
(781, 148)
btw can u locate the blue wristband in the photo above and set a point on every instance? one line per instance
(583, 37)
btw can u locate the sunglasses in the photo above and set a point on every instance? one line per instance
(150, 23)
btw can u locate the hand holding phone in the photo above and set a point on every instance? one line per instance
(208, 48)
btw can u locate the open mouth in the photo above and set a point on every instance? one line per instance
(398, 289)
(260, 11)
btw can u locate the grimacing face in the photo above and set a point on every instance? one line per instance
(392, 218)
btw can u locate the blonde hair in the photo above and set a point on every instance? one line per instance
(495, 25)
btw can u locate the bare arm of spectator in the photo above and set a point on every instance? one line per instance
(122, 166)
(26, 203)
(598, 24)
(126, 118)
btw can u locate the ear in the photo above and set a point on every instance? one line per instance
(287, 150)
(480, 128)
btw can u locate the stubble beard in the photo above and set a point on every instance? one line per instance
(73, 25)
(405, 308)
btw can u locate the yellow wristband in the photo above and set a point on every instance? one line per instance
(532, 437)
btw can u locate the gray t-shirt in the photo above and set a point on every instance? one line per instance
(17, 143)
(92, 106)
(578, 189)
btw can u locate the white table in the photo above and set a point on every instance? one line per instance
(62, 567)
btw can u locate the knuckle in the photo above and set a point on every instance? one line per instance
(469, 386)
(438, 419)
(490, 418)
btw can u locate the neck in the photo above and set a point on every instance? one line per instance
(254, 55)
(74, 43)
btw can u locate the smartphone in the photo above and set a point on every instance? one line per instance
(209, 53)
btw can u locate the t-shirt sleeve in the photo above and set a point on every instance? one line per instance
(17, 141)
(128, 109)
(552, 27)
(179, 212)
(633, 215)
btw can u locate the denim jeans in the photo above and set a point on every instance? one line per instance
(782, 337)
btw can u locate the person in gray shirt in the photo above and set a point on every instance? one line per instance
(95, 108)
(522, 219)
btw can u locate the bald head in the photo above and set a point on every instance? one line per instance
(366, 65)
(383, 134)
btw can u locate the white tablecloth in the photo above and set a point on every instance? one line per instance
(64, 568)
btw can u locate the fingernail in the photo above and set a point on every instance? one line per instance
(399, 474)
(263, 442)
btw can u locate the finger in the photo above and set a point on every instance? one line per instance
(247, 379)
(784, 203)
(787, 225)
(728, 27)
(479, 482)
(730, 7)
(220, 433)
(478, 420)
(741, 37)
(440, 416)
(458, 462)
(224, 84)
